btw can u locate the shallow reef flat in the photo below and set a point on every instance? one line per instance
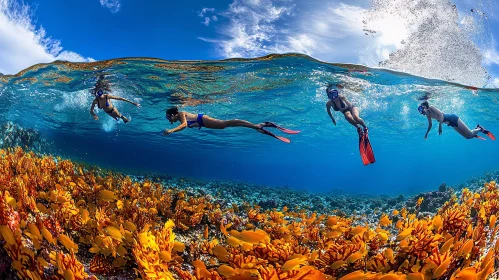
(63, 220)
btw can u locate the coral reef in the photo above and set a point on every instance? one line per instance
(60, 220)
(13, 135)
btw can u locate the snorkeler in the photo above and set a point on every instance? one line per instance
(192, 120)
(451, 120)
(103, 101)
(340, 103)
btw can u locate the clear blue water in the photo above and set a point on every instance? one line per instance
(288, 90)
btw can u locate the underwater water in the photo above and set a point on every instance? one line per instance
(54, 99)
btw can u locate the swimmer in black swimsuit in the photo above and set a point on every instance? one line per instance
(451, 120)
(200, 120)
(102, 100)
(340, 103)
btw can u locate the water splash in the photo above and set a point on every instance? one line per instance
(435, 45)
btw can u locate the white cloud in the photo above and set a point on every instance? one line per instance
(207, 19)
(252, 28)
(113, 5)
(22, 44)
(490, 56)
(205, 10)
(416, 36)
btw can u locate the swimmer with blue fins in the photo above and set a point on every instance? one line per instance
(451, 120)
(200, 120)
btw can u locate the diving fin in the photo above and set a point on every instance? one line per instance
(486, 132)
(362, 147)
(283, 139)
(285, 130)
(368, 148)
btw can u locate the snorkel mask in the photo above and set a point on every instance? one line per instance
(169, 117)
(332, 93)
(421, 109)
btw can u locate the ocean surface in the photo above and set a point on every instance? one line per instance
(54, 99)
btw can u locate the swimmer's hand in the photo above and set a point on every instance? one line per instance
(96, 118)
(136, 104)
(166, 132)
(334, 121)
(426, 136)
(440, 131)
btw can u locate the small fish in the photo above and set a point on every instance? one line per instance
(294, 263)
(384, 221)
(465, 249)
(67, 242)
(233, 242)
(178, 246)
(254, 237)
(446, 246)
(440, 270)
(165, 255)
(106, 195)
(221, 253)
(354, 257)
(114, 233)
(226, 271)
(7, 234)
(199, 264)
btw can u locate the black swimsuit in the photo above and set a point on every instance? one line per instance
(343, 105)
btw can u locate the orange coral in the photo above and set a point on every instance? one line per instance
(56, 206)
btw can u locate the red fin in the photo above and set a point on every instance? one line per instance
(283, 139)
(285, 130)
(491, 136)
(369, 149)
(362, 149)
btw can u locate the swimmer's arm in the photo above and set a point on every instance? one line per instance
(429, 127)
(123, 99)
(328, 106)
(92, 110)
(182, 126)
(439, 128)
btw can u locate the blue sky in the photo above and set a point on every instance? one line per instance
(37, 31)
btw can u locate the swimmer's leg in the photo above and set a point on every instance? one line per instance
(357, 118)
(467, 133)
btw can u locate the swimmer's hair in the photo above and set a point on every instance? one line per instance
(172, 111)
(425, 104)
(426, 96)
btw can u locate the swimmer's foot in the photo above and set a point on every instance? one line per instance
(486, 132)
(285, 130)
(125, 119)
(359, 131)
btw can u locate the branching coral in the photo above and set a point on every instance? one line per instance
(57, 217)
